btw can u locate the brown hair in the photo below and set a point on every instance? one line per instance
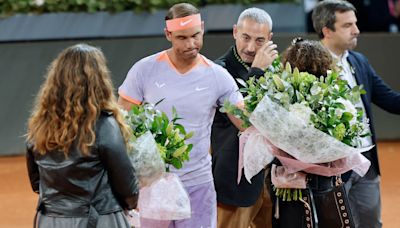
(309, 56)
(324, 15)
(77, 88)
(181, 10)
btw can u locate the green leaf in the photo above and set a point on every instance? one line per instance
(180, 128)
(189, 148)
(174, 113)
(315, 89)
(347, 116)
(176, 163)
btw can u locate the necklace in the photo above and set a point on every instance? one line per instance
(239, 59)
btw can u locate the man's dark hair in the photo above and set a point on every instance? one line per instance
(181, 10)
(323, 14)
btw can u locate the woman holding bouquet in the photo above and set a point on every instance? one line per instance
(314, 207)
(76, 153)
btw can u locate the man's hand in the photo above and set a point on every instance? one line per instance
(265, 56)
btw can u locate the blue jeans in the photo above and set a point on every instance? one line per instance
(365, 199)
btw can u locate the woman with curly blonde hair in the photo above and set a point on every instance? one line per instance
(76, 153)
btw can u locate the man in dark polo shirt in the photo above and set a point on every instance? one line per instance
(244, 204)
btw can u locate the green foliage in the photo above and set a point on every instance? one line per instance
(169, 135)
(329, 99)
(327, 103)
(10, 7)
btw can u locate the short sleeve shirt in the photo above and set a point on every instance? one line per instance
(195, 95)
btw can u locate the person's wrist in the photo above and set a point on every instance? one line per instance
(256, 65)
(256, 71)
(260, 65)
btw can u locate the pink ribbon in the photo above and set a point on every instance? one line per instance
(356, 162)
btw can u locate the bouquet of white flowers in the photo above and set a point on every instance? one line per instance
(303, 121)
(168, 135)
(156, 144)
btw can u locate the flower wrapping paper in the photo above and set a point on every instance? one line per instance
(277, 132)
(293, 135)
(146, 159)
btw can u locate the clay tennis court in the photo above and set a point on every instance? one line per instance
(17, 201)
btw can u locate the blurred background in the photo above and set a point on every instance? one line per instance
(33, 32)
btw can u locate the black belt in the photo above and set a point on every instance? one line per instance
(321, 183)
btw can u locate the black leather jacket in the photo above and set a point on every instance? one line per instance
(82, 186)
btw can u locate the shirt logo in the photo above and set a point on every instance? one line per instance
(160, 85)
(183, 23)
(200, 88)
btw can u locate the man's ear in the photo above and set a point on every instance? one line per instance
(202, 26)
(167, 34)
(235, 31)
(270, 35)
(326, 32)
